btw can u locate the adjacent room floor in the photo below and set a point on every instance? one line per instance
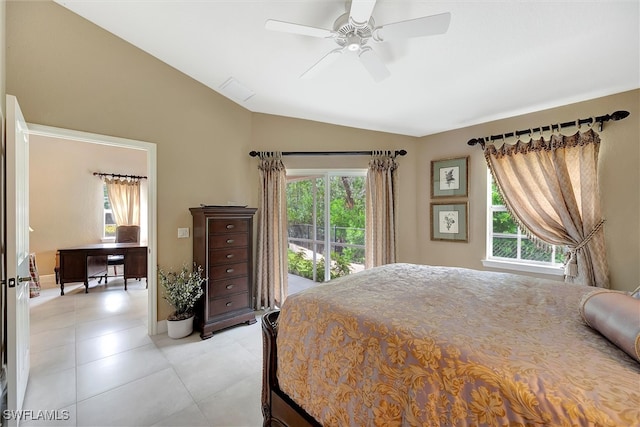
(93, 364)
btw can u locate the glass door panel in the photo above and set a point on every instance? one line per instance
(314, 246)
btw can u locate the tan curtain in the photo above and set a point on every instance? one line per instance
(551, 189)
(272, 265)
(380, 228)
(124, 197)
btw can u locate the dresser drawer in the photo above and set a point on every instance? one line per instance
(228, 226)
(228, 240)
(230, 303)
(217, 272)
(225, 256)
(220, 288)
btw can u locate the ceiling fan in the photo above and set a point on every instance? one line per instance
(353, 30)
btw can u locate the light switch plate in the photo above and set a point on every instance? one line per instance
(183, 233)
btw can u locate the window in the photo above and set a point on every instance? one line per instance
(318, 198)
(108, 222)
(508, 246)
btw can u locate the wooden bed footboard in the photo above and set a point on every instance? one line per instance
(277, 408)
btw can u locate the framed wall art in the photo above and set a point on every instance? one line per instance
(449, 221)
(450, 177)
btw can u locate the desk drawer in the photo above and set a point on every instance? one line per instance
(218, 272)
(228, 226)
(228, 240)
(221, 288)
(225, 256)
(230, 303)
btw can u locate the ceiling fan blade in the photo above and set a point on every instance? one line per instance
(373, 64)
(361, 11)
(419, 27)
(305, 30)
(323, 63)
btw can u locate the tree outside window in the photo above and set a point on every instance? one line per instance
(108, 223)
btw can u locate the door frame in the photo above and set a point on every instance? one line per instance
(151, 150)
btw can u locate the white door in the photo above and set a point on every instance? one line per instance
(17, 255)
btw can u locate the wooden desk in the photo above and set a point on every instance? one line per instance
(80, 263)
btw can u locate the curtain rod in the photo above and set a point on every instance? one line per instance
(117, 175)
(331, 153)
(615, 116)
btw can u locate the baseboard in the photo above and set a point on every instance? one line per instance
(48, 281)
(161, 326)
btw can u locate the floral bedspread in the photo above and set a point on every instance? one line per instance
(416, 345)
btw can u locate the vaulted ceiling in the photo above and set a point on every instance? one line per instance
(496, 59)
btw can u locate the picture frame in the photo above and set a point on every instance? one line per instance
(450, 177)
(450, 222)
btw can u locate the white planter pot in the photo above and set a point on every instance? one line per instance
(180, 328)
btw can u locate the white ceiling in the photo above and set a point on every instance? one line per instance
(498, 58)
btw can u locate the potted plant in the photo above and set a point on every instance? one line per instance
(182, 290)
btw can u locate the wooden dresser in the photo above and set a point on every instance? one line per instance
(222, 245)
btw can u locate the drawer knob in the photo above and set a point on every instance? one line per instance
(230, 270)
(229, 241)
(229, 286)
(229, 256)
(229, 304)
(230, 226)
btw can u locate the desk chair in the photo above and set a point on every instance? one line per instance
(124, 234)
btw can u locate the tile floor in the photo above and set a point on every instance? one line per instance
(93, 364)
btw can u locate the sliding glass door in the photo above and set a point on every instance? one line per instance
(326, 219)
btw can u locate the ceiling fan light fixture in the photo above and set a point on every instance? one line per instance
(353, 43)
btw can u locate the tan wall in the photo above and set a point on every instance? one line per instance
(619, 179)
(65, 198)
(286, 134)
(71, 74)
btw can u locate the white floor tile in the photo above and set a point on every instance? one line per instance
(110, 372)
(107, 325)
(53, 360)
(93, 364)
(64, 417)
(189, 417)
(47, 339)
(237, 405)
(109, 344)
(217, 370)
(143, 402)
(51, 391)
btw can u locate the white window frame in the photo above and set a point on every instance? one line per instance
(538, 267)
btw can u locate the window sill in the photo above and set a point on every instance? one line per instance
(521, 266)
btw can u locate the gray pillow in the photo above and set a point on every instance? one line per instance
(616, 315)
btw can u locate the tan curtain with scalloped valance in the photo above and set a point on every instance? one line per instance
(550, 186)
(272, 262)
(380, 214)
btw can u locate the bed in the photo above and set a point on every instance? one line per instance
(411, 345)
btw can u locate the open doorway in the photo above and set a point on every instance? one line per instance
(143, 151)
